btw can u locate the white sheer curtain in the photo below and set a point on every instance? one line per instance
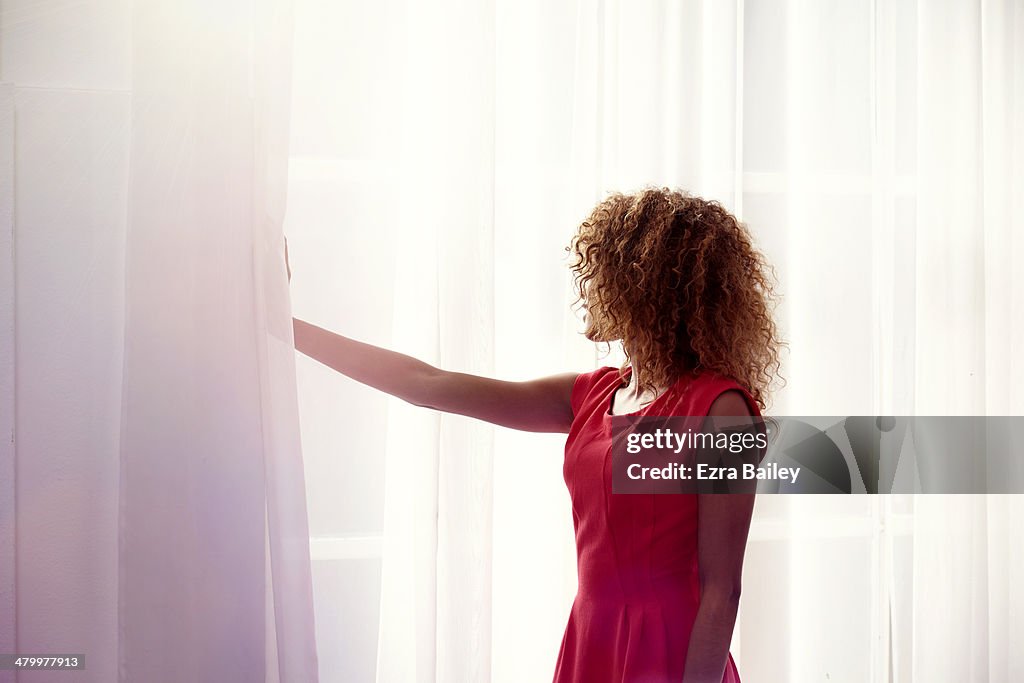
(152, 503)
(436, 574)
(214, 573)
(873, 147)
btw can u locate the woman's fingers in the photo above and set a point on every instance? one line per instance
(287, 265)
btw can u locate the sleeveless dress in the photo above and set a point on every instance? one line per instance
(636, 554)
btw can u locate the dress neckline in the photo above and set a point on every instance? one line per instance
(610, 403)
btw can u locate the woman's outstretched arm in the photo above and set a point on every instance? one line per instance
(540, 405)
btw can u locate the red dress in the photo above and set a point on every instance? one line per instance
(637, 553)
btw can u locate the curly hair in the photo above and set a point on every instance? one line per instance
(678, 280)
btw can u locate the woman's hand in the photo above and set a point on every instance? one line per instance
(286, 264)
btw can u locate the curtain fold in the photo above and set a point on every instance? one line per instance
(968, 233)
(291, 636)
(214, 576)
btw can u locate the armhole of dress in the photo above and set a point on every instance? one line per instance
(735, 386)
(759, 419)
(577, 393)
(582, 386)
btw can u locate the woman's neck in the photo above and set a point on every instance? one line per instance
(632, 388)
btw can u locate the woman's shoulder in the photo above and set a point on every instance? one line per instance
(699, 390)
(591, 383)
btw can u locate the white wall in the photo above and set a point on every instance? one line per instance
(69, 66)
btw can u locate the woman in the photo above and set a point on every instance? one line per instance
(676, 279)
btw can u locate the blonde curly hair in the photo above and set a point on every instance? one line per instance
(678, 280)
